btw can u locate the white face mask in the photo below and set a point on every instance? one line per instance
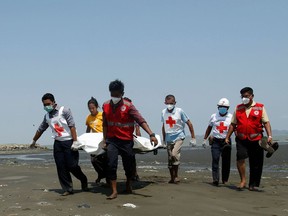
(115, 100)
(245, 100)
(170, 106)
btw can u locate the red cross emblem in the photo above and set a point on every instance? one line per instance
(58, 129)
(221, 127)
(170, 121)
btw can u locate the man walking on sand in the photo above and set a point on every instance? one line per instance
(119, 117)
(61, 122)
(219, 123)
(174, 120)
(248, 120)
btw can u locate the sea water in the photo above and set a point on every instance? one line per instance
(192, 159)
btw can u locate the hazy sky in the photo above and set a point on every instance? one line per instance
(199, 51)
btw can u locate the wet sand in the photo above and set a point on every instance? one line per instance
(33, 189)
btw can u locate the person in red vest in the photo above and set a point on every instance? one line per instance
(119, 117)
(248, 121)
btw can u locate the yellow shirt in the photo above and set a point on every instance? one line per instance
(95, 122)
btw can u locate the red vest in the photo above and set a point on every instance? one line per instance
(119, 123)
(249, 127)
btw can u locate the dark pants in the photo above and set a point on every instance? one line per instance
(67, 161)
(219, 148)
(252, 150)
(100, 164)
(124, 148)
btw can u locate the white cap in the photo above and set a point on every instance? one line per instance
(223, 102)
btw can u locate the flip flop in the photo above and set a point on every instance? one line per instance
(173, 182)
(254, 189)
(275, 146)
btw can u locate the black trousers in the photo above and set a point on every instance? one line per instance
(125, 149)
(67, 162)
(255, 154)
(100, 164)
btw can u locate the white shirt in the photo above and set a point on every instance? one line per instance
(174, 124)
(220, 125)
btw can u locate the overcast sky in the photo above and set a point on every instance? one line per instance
(200, 51)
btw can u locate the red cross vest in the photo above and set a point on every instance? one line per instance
(120, 124)
(249, 127)
(172, 121)
(59, 126)
(220, 125)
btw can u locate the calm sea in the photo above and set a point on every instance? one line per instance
(192, 159)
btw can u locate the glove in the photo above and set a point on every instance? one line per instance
(76, 146)
(204, 143)
(192, 142)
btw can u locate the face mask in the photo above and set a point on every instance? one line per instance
(170, 106)
(245, 100)
(223, 110)
(48, 108)
(115, 100)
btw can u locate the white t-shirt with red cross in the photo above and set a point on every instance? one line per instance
(220, 125)
(174, 124)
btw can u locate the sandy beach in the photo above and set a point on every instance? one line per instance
(32, 188)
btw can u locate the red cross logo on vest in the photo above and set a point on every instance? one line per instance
(221, 127)
(58, 129)
(170, 121)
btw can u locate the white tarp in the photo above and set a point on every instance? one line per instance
(92, 143)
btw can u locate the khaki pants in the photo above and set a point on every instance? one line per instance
(174, 152)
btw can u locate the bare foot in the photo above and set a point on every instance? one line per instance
(242, 185)
(177, 180)
(112, 196)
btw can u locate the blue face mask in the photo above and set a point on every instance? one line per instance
(223, 110)
(48, 108)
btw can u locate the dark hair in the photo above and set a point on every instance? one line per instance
(116, 85)
(93, 101)
(48, 96)
(170, 96)
(246, 89)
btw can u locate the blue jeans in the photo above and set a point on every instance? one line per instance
(219, 148)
